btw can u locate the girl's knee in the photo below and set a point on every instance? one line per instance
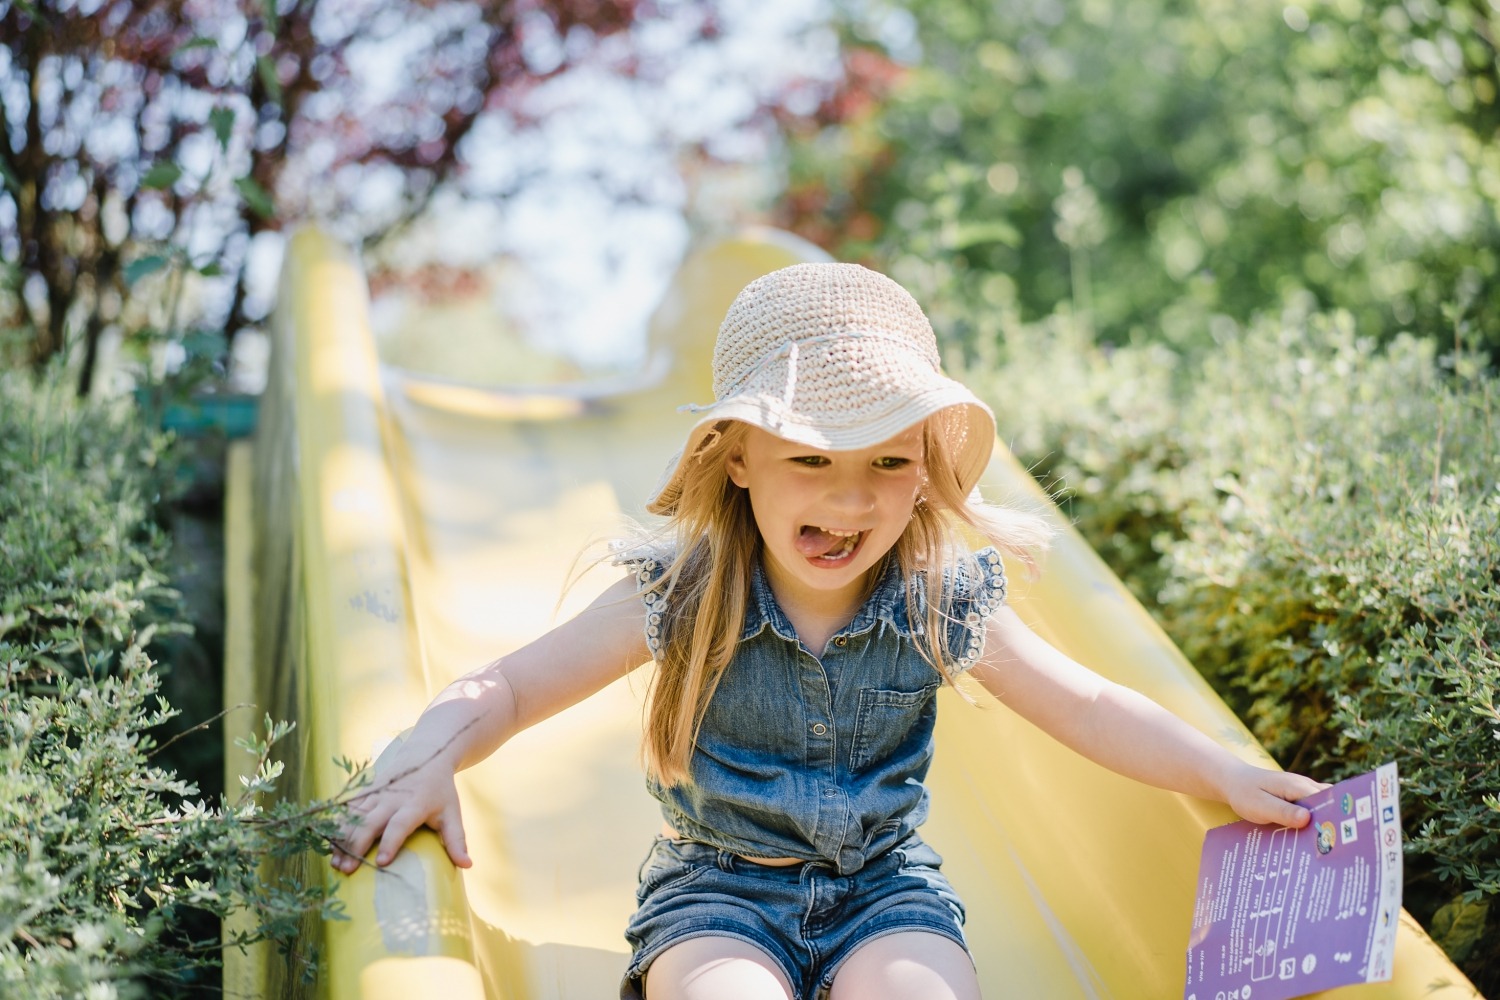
(907, 964)
(716, 968)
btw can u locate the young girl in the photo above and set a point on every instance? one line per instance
(807, 597)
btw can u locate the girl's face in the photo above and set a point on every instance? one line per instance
(827, 518)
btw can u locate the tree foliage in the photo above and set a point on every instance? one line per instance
(1157, 166)
(164, 136)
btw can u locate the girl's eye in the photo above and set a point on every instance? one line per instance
(892, 462)
(811, 460)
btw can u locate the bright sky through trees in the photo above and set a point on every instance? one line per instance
(596, 203)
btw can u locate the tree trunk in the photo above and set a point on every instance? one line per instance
(92, 331)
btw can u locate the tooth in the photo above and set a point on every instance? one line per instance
(844, 549)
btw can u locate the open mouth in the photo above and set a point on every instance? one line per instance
(828, 545)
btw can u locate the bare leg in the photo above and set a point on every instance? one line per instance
(716, 968)
(905, 965)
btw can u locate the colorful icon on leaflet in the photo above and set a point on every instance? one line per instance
(1326, 838)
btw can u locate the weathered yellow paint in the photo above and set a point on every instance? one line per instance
(411, 530)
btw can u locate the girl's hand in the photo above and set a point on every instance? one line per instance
(1264, 796)
(416, 790)
(474, 715)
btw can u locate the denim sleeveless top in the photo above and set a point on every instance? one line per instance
(822, 758)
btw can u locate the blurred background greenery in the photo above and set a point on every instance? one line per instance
(1166, 169)
(1228, 272)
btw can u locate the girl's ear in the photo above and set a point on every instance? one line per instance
(734, 466)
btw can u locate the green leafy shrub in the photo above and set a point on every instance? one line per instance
(109, 861)
(1316, 522)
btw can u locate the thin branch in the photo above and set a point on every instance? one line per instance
(202, 725)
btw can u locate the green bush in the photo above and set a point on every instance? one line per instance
(109, 862)
(1316, 522)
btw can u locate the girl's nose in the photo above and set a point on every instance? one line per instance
(852, 495)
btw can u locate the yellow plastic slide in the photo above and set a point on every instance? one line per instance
(387, 533)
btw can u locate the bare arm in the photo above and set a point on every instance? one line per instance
(1125, 731)
(472, 717)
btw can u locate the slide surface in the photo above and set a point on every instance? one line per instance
(388, 533)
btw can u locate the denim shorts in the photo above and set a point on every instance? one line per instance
(805, 916)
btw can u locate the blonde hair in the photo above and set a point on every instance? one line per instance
(713, 543)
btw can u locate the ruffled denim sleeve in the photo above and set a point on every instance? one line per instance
(647, 566)
(977, 592)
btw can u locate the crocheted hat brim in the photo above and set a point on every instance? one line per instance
(971, 432)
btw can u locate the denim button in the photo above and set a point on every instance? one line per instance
(842, 640)
(819, 729)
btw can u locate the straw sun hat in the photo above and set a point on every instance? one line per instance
(836, 357)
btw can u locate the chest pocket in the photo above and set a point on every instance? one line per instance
(887, 721)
